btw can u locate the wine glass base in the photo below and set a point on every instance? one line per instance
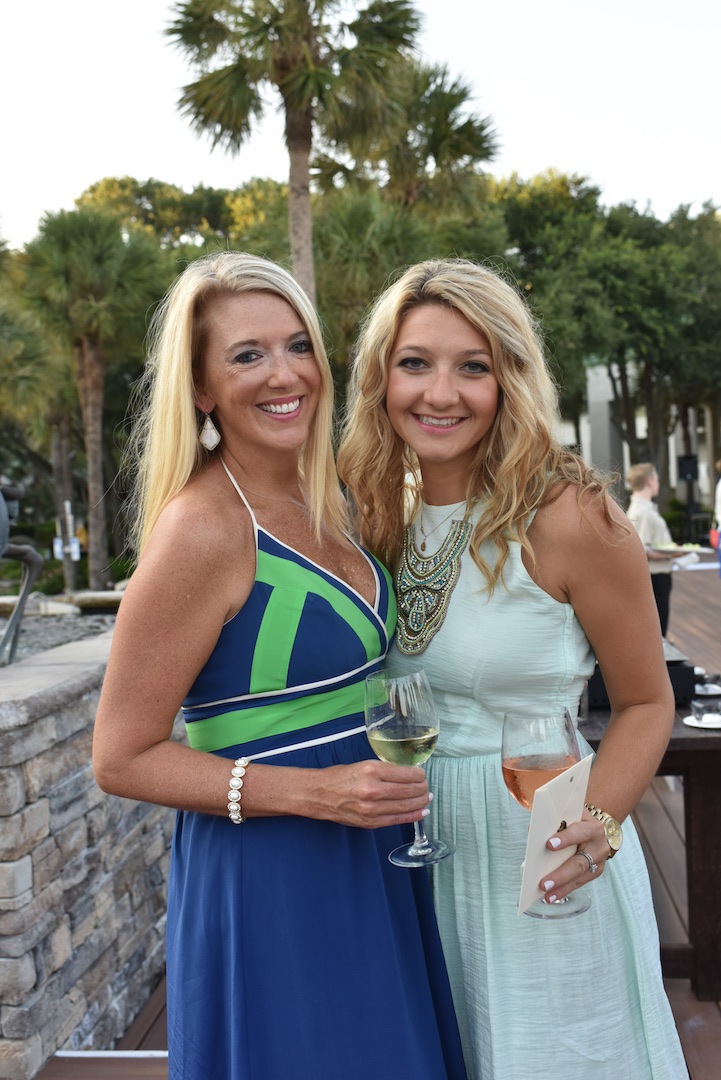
(575, 904)
(435, 851)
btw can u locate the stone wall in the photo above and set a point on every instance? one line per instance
(83, 875)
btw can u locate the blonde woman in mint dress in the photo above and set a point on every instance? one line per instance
(514, 572)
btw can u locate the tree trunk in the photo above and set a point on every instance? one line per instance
(624, 411)
(61, 454)
(628, 409)
(114, 504)
(657, 405)
(298, 138)
(90, 374)
(712, 445)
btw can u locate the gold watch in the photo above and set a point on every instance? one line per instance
(614, 833)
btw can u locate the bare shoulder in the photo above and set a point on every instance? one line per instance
(202, 545)
(577, 533)
(572, 516)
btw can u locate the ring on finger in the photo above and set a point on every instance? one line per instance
(592, 866)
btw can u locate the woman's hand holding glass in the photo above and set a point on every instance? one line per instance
(403, 728)
(536, 749)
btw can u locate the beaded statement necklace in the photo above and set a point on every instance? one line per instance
(424, 586)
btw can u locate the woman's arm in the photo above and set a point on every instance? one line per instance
(190, 580)
(603, 573)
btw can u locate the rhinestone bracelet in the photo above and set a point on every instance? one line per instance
(234, 794)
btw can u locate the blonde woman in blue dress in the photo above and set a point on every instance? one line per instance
(295, 950)
(514, 571)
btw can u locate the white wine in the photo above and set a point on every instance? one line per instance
(393, 743)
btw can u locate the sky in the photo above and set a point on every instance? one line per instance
(626, 93)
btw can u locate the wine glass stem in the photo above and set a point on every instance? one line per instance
(421, 844)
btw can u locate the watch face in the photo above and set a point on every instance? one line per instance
(613, 834)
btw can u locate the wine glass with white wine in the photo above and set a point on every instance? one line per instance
(536, 749)
(403, 728)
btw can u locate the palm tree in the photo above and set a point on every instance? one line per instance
(92, 283)
(40, 399)
(326, 71)
(432, 151)
(361, 238)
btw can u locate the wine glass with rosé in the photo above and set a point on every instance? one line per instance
(403, 727)
(535, 749)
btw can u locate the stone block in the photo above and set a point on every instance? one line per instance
(75, 872)
(85, 955)
(129, 871)
(70, 798)
(88, 1024)
(19, 944)
(12, 790)
(154, 848)
(17, 922)
(16, 877)
(22, 743)
(14, 903)
(17, 977)
(23, 1021)
(21, 1059)
(98, 976)
(77, 715)
(108, 1028)
(82, 881)
(58, 947)
(23, 831)
(73, 839)
(65, 1018)
(47, 862)
(98, 821)
(43, 772)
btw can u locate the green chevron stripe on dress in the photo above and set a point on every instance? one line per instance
(247, 725)
(276, 637)
(273, 570)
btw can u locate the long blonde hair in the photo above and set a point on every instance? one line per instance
(519, 464)
(164, 451)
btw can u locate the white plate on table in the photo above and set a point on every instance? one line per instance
(708, 689)
(711, 724)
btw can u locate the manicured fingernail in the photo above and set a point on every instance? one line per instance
(425, 813)
(551, 899)
(548, 885)
(430, 796)
(555, 841)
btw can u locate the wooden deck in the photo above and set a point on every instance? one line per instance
(695, 629)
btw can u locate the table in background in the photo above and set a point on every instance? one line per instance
(694, 755)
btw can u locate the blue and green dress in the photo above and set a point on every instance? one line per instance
(295, 950)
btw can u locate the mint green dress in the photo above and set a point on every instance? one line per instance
(583, 997)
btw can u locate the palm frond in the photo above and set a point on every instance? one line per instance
(224, 104)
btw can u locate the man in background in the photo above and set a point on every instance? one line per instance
(643, 481)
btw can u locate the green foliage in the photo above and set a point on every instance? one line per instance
(174, 216)
(360, 240)
(258, 214)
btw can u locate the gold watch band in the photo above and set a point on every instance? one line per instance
(609, 823)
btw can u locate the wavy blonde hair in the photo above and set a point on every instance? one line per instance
(163, 450)
(519, 465)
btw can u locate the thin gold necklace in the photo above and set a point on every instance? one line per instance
(260, 495)
(441, 522)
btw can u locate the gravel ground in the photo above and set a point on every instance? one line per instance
(41, 632)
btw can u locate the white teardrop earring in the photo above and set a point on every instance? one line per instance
(209, 435)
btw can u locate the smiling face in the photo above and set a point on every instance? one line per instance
(442, 395)
(258, 373)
